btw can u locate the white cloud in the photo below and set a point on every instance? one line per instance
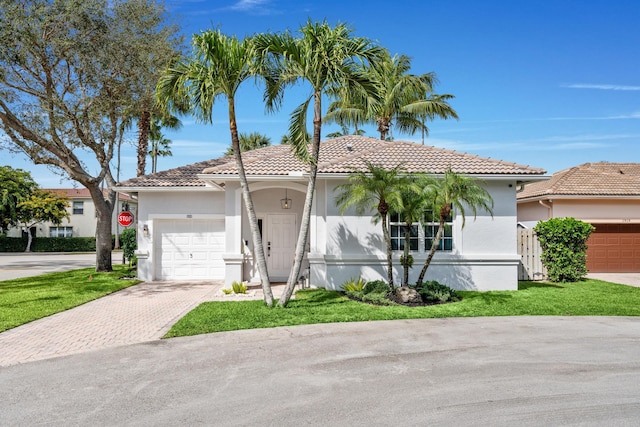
(601, 86)
(249, 5)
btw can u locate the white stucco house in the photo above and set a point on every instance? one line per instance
(82, 216)
(192, 224)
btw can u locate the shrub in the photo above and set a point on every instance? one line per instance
(564, 248)
(435, 292)
(353, 285)
(128, 243)
(376, 287)
(239, 288)
(12, 244)
(64, 244)
(378, 298)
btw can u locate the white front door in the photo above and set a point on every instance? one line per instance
(281, 244)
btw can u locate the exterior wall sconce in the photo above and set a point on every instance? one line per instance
(145, 230)
(286, 202)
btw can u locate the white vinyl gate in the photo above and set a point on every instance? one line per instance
(530, 252)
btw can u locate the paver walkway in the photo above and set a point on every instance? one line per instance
(140, 313)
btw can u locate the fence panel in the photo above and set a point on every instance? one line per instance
(530, 252)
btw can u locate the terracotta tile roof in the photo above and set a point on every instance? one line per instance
(589, 179)
(183, 176)
(338, 155)
(79, 193)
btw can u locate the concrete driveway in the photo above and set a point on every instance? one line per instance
(14, 265)
(631, 279)
(525, 371)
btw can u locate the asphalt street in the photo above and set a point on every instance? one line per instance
(14, 265)
(525, 371)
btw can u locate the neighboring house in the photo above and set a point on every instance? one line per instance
(606, 195)
(82, 216)
(193, 226)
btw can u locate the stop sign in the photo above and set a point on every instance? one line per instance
(125, 218)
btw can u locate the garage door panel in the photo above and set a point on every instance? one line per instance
(614, 248)
(189, 249)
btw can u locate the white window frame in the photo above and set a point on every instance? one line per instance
(66, 231)
(423, 238)
(77, 207)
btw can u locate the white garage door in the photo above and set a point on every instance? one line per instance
(189, 249)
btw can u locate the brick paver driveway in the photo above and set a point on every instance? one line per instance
(140, 313)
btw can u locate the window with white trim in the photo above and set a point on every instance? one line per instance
(421, 237)
(60, 231)
(78, 207)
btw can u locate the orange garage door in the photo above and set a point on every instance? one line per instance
(614, 248)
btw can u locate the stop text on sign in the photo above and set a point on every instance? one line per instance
(125, 218)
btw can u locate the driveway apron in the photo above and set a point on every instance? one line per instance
(140, 313)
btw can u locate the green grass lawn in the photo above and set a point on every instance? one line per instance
(30, 298)
(584, 298)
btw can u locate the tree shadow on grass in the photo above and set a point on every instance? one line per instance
(487, 297)
(318, 297)
(29, 301)
(527, 285)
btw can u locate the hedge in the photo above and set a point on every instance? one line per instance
(50, 244)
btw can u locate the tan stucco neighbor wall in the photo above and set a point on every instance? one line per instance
(588, 210)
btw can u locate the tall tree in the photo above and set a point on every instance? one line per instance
(250, 141)
(16, 185)
(453, 192)
(41, 206)
(377, 188)
(218, 66)
(69, 71)
(397, 96)
(161, 146)
(324, 57)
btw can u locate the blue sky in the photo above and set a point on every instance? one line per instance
(547, 83)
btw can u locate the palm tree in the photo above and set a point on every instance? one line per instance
(453, 191)
(325, 57)
(412, 212)
(219, 65)
(396, 97)
(160, 147)
(379, 188)
(250, 141)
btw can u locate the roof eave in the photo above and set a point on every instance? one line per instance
(579, 197)
(151, 189)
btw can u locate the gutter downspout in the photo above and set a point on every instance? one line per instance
(547, 204)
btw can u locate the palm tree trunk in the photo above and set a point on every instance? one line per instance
(383, 128)
(144, 122)
(434, 248)
(387, 239)
(407, 244)
(258, 248)
(303, 236)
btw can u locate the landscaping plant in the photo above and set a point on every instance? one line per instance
(239, 288)
(564, 247)
(353, 285)
(434, 292)
(129, 243)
